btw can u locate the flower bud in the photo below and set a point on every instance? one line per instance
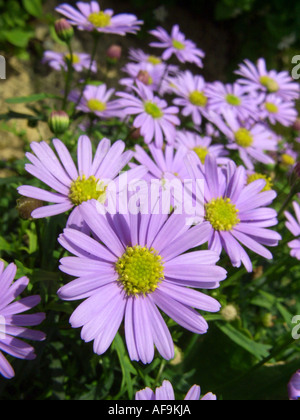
(58, 122)
(64, 30)
(144, 77)
(229, 313)
(26, 205)
(267, 320)
(135, 134)
(296, 125)
(114, 53)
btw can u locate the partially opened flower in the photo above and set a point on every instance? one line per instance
(132, 265)
(202, 146)
(58, 61)
(293, 225)
(275, 109)
(232, 97)
(97, 100)
(251, 140)
(294, 386)
(155, 118)
(13, 322)
(73, 185)
(237, 214)
(185, 50)
(259, 78)
(191, 95)
(166, 392)
(90, 17)
(146, 73)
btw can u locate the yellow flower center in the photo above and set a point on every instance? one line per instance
(84, 189)
(288, 160)
(269, 83)
(178, 45)
(222, 214)
(140, 270)
(74, 59)
(153, 110)
(233, 100)
(154, 60)
(243, 137)
(96, 106)
(198, 98)
(99, 19)
(256, 176)
(272, 108)
(202, 152)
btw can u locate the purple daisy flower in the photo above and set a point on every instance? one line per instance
(73, 186)
(90, 17)
(235, 212)
(58, 61)
(251, 140)
(232, 97)
(13, 322)
(185, 50)
(275, 109)
(166, 392)
(139, 265)
(294, 386)
(293, 225)
(259, 78)
(154, 118)
(96, 100)
(193, 98)
(202, 146)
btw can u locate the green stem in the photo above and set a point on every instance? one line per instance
(69, 77)
(294, 190)
(89, 73)
(161, 369)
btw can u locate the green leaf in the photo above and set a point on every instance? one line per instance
(258, 350)
(33, 7)
(31, 98)
(18, 37)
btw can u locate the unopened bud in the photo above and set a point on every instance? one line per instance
(267, 320)
(178, 356)
(296, 125)
(135, 134)
(59, 122)
(64, 30)
(145, 77)
(229, 313)
(26, 205)
(114, 53)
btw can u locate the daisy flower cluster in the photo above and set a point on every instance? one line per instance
(144, 274)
